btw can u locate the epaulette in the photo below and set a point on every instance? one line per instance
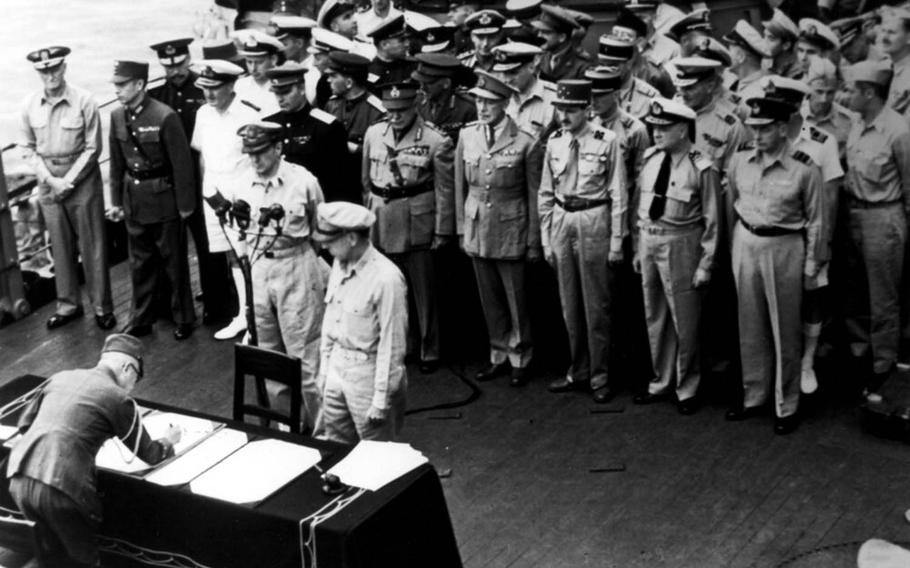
(650, 151)
(251, 105)
(556, 133)
(465, 55)
(627, 121)
(374, 102)
(747, 145)
(548, 85)
(599, 134)
(729, 119)
(817, 134)
(712, 140)
(322, 115)
(803, 157)
(435, 128)
(699, 160)
(735, 99)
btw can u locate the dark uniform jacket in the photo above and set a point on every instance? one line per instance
(151, 165)
(356, 115)
(450, 115)
(569, 64)
(314, 139)
(185, 100)
(381, 72)
(66, 425)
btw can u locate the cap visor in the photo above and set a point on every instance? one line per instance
(322, 237)
(398, 104)
(570, 102)
(485, 94)
(257, 148)
(424, 78)
(171, 61)
(203, 82)
(121, 79)
(685, 82)
(486, 31)
(758, 121)
(611, 59)
(538, 25)
(507, 66)
(434, 47)
(659, 121)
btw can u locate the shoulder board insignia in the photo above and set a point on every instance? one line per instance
(699, 160)
(251, 105)
(745, 146)
(372, 78)
(716, 142)
(736, 99)
(730, 119)
(322, 115)
(817, 134)
(374, 101)
(802, 157)
(599, 134)
(627, 121)
(556, 133)
(650, 151)
(548, 85)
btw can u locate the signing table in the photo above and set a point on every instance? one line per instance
(406, 523)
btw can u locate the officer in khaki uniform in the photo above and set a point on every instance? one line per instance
(777, 198)
(441, 104)
(152, 178)
(677, 235)
(532, 105)
(634, 95)
(582, 205)
(878, 199)
(364, 332)
(497, 174)
(560, 59)
(407, 180)
(486, 31)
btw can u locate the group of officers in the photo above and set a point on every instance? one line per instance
(704, 201)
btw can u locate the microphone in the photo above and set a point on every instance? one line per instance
(274, 212)
(240, 212)
(219, 204)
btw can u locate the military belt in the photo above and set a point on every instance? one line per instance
(768, 231)
(572, 204)
(63, 160)
(856, 203)
(153, 173)
(402, 192)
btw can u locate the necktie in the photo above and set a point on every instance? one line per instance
(488, 129)
(659, 202)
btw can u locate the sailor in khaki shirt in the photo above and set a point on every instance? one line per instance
(676, 237)
(60, 130)
(364, 332)
(582, 205)
(878, 199)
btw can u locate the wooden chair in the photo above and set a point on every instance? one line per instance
(262, 364)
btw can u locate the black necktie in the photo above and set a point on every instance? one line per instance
(660, 189)
(490, 135)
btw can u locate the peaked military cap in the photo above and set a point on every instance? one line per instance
(748, 38)
(397, 96)
(350, 64)
(485, 22)
(325, 41)
(48, 57)
(257, 136)
(848, 29)
(642, 5)
(129, 70)
(691, 70)
(331, 10)
(710, 48)
(523, 9)
(604, 80)
(573, 92)
(555, 19)
(818, 34)
(283, 77)
(255, 43)
(287, 25)
(215, 72)
(433, 66)
(225, 50)
(764, 111)
(389, 28)
(784, 88)
(780, 25)
(490, 87)
(631, 21)
(335, 218)
(613, 49)
(437, 38)
(664, 112)
(512, 55)
(173, 52)
(697, 20)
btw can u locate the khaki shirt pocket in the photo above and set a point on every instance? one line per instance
(413, 168)
(358, 323)
(507, 171)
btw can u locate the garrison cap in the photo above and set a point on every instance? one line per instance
(818, 34)
(697, 20)
(555, 19)
(223, 49)
(129, 70)
(573, 92)
(485, 22)
(331, 10)
(281, 78)
(748, 38)
(126, 344)
(780, 25)
(350, 64)
(433, 66)
(437, 38)
(215, 72)
(710, 48)
(257, 136)
(286, 25)
(629, 20)
(389, 28)
(490, 87)
(523, 9)
(784, 89)
(613, 49)
(398, 96)
(691, 70)
(514, 54)
(821, 69)
(642, 5)
(173, 52)
(325, 41)
(604, 80)
(664, 112)
(764, 111)
(335, 218)
(48, 57)
(255, 43)
(875, 72)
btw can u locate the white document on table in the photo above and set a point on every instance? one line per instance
(255, 471)
(373, 465)
(114, 454)
(192, 464)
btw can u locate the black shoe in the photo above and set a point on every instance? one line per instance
(785, 425)
(106, 321)
(199, 297)
(182, 331)
(649, 398)
(138, 330)
(491, 371)
(739, 414)
(603, 395)
(429, 367)
(688, 406)
(565, 385)
(58, 320)
(520, 376)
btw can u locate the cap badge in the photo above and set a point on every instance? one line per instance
(485, 19)
(394, 93)
(755, 109)
(656, 109)
(431, 38)
(170, 50)
(812, 30)
(44, 55)
(251, 43)
(208, 71)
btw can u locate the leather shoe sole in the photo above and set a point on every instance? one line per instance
(183, 331)
(106, 321)
(491, 372)
(58, 320)
(565, 385)
(138, 330)
(604, 395)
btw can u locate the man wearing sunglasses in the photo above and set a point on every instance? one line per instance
(52, 466)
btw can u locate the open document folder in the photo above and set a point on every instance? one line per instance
(114, 454)
(373, 465)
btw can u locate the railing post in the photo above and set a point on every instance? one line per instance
(12, 294)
